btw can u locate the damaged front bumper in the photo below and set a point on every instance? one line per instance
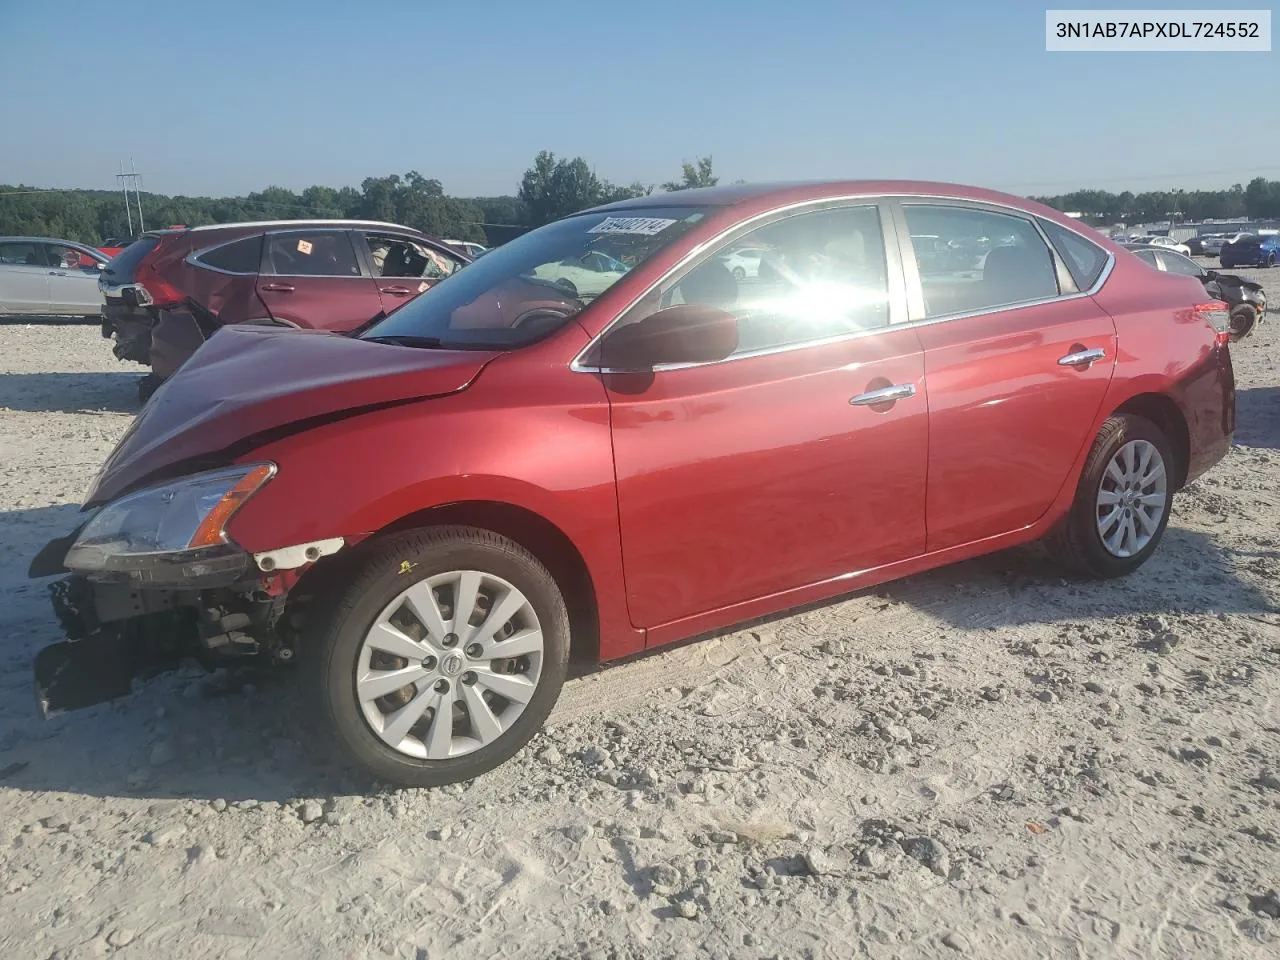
(119, 628)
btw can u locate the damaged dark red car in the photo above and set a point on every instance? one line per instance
(170, 290)
(597, 440)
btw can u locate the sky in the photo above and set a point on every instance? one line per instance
(228, 96)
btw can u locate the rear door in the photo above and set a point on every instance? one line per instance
(402, 266)
(73, 281)
(1018, 360)
(24, 277)
(314, 278)
(224, 279)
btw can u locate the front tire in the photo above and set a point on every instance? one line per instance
(1122, 503)
(442, 658)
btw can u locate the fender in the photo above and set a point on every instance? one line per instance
(552, 456)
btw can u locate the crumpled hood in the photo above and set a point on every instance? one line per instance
(248, 380)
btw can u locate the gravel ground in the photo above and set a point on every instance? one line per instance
(988, 760)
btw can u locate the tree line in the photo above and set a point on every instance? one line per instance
(1260, 199)
(552, 187)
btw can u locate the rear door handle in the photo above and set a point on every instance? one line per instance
(899, 391)
(278, 287)
(396, 291)
(1082, 358)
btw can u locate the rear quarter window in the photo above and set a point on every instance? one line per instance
(238, 256)
(127, 260)
(1085, 260)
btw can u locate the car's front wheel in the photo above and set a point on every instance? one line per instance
(1122, 503)
(443, 657)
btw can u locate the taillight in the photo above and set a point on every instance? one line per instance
(1218, 315)
(162, 292)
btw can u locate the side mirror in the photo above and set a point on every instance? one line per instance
(688, 333)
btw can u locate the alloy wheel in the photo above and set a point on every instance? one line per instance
(449, 665)
(1132, 498)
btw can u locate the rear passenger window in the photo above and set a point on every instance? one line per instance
(1085, 260)
(238, 256)
(312, 253)
(971, 260)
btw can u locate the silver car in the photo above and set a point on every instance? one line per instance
(40, 276)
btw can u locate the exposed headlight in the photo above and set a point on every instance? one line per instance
(172, 533)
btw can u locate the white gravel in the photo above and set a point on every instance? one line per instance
(987, 761)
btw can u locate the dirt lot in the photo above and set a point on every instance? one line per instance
(988, 761)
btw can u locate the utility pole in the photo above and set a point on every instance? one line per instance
(132, 179)
(128, 211)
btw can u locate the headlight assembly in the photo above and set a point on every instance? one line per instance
(171, 533)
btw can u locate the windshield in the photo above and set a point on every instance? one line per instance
(531, 286)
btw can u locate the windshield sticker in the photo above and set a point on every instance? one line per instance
(304, 246)
(644, 226)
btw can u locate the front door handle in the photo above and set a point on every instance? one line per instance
(396, 291)
(278, 287)
(1082, 358)
(898, 391)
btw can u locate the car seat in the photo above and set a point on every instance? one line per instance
(1016, 273)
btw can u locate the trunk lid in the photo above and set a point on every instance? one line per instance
(247, 381)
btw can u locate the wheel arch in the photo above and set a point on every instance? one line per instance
(541, 537)
(1162, 411)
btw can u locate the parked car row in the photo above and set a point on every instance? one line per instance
(170, 290)
(1246, 299)
(434, 512)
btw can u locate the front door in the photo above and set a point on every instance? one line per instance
(313, 278)
(403, 267)
(73, 282)
(1018, 363)
(791, 462)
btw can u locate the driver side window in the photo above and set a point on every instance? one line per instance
(804, 278)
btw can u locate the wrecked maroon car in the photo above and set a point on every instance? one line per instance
(170, 290)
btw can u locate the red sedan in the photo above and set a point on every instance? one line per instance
(530, 462)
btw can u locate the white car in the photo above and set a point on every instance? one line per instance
(590, 274)
(469, 247)
(50, 278)
(743, 262)
(1169, 243)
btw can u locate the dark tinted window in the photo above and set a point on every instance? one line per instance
(971, 259)
(311, 253)
(1175, 262)
(1085, 260)
(1150, 257)
(23, 254)
(126, 261)
(238, 256)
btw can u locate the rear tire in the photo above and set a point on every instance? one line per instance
(1084, 541)
(1243, 319)
(483, 730)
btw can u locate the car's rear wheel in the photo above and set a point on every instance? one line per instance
(739, 273)
(1271, 260)
(1122, 503)
(443, 657)
(1243, 319)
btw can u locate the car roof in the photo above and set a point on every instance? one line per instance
(798, 191)
(303, 222)
(69, 243)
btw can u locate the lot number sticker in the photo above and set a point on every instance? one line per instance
(644, 226)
